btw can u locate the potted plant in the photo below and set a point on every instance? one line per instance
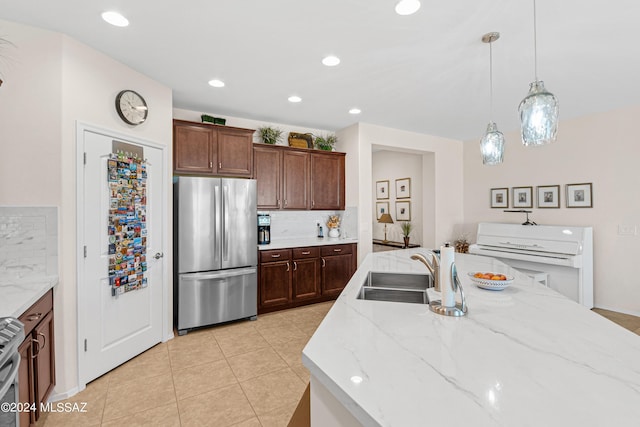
(406, 230)
(462, 244)
(325, 142)
(270, 135)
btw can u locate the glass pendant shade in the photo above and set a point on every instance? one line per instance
(538, 116)
(492, 146)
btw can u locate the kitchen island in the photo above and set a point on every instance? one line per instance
(524, 356)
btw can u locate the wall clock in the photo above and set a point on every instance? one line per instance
(131, 107)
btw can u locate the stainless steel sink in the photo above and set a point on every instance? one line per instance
(396, 287)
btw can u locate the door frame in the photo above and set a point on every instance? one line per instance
(167, 295)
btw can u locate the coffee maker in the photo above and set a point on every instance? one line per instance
(264, 228)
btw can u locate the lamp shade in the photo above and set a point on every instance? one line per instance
(386, 219)
(492, 146)
(538, 116)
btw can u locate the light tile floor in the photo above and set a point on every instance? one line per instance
(245, 374)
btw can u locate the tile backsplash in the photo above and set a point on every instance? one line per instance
(295, 224)
(28, 242)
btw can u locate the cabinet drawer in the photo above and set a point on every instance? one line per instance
(36, 312)
(336, 250)
(300, 253)
(275, 255)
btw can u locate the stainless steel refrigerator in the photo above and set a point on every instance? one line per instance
(215, 252)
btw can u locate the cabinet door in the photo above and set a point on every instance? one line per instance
(44, 361)
(327, 181)
(266, 171)
(295, 180)
(306, 278)
(235, 152)
(336, 272)
(194, 149)
(275, 283)
(25, 375)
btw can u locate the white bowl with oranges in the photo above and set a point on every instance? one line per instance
(491, 281)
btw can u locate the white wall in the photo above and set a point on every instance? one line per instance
(52, 82)
(240, 122)
(440, 155)
(390, 166)
(602, 149)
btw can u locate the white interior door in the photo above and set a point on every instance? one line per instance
(114, 329)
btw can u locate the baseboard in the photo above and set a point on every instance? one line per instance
(618, 310)
(55, 397)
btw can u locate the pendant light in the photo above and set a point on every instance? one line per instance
(492, 143)
(539, 109)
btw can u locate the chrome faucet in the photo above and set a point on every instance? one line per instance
(433, 266)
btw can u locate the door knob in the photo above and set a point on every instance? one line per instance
(158, 255)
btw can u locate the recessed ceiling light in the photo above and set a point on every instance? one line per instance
(355, 111)
(331, 61)
(407, 7)
(114, 18)
(295, 98)
(356, 379)
(216, 83)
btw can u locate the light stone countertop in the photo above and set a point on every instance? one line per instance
(524, 356)
(16, 296)
(306, 241)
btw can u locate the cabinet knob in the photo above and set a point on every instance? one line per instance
(36, 350)
(337, 250)
(295, 266)
(211, 165)
(323, 263)
(287, 265)
(220, 165)
(34, 317)
(275, 256)
(306, 252)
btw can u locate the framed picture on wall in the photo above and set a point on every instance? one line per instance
(548, 196)
(403, 188)
(499, 197)
(579, 195)
(382, 189)
(381, 208)
(522, 197)
(403, 211)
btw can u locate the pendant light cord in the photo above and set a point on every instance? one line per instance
(535, 42)
(490, 81)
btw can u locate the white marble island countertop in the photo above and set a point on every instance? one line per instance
(17, 295)
(524, 356)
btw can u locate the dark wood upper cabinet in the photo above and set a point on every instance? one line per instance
(298, 179)
(295, 180)
(267, 168)
(327, 183)
(204, 149)
(193, 149)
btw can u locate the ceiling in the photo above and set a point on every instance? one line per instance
(427, 72)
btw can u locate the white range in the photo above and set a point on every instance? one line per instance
(524, 356)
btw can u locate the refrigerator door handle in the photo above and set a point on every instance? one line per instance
(225, 222)
(218, 274)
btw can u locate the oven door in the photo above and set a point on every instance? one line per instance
(9, 392)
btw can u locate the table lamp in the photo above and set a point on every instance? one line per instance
(385, 219)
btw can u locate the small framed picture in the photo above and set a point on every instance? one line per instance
(403, 211)
(579, 195)
(381, 208)
(382, 190)
(499, 197)
(522, 197)
(403, 188)
(548, 196)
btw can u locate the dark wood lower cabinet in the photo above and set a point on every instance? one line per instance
(37, 363)
(299, 276)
